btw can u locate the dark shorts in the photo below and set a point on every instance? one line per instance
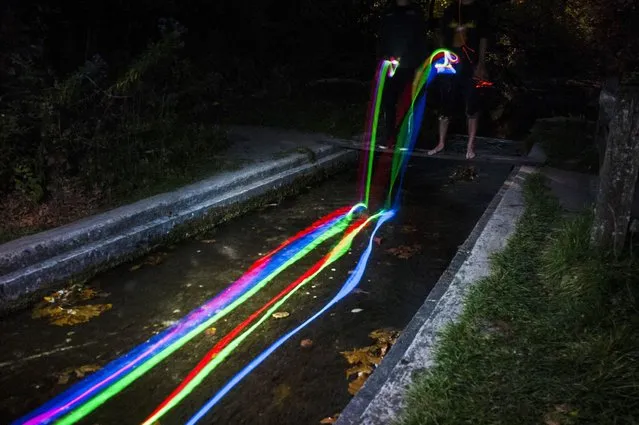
(459, 87)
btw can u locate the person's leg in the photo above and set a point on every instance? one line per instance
(472, 113)
(447, 105)
(404, 80)
(389, 106)
(402, 83)
(391, 97)
(443, 131)
(472, 133)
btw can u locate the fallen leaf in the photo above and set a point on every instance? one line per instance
(306, 343)
(135, 267)
(383, 350)
(210, 331)
(388, 336)
(280, 315)
(404, 251)
(377, 240)
(359, 369)
(88, 294)
(357, 384)
(39, 313)
(80, 372)
(356, 310)
(63, 379)
(208, 241)
(330, 419)
(362, 355)
(364, 360)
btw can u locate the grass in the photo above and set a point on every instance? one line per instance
(568, 142)
(551, 336)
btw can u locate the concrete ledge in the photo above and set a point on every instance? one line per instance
(381, 399)
(38, 261)
(484, 155)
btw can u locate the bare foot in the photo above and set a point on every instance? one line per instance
(438, 149)
(470, 154)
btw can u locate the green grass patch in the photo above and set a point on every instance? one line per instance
(568, 142)
(551, 336)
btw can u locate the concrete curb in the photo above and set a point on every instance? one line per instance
(533, 160)
(39, 261)
(382, 397)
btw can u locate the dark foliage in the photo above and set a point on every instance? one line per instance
(114, 94)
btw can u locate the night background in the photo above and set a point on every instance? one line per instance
(102, 101)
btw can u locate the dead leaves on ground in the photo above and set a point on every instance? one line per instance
(79, 372)
(73, 294)
(464, 173)
(404, 251)
(361, 357)
(281, 315)
(384, 339)
(366, 359)
(60, 316)
(61, 307)
(365, 368)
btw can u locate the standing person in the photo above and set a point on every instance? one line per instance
(403, 37)
(464, 31)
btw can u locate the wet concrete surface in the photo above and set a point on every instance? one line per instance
(295, 385)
